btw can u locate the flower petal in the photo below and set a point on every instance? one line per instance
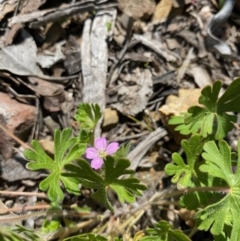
(100, 144)
(91, 153)
(97, 163)
(112, 148)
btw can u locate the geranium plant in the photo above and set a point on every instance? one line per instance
(210, 173)
(207, 176)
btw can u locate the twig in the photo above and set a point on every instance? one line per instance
(20, 142)
(126, 138)
(11, 193)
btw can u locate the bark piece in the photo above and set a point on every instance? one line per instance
(19, 117)
(94, 55)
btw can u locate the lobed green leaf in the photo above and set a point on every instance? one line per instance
(88, 115)
(219, 164)
(86, 237)
(229, 101)
(183, 172)
(163, 231)
(126, 189)
(212, 118)
(66, 150)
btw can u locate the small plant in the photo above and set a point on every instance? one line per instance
(208, 177)
(210, 173)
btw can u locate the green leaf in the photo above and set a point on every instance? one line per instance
(84, 136)
(118, 239)
(50, 226)
(66, 150)
(163, 231)
(196, 200)
(86, 237)
(228, 209)
(200, 199)
(183, 172)
(181, 126)
(28, 233)
(218, 164)
(212, 118)
(126, 189)
(229, 101)
(122, 152)
(18, 233)
(8, 235)
(88, 115)
(224, 236)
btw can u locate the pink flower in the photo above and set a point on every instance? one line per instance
(99, 152)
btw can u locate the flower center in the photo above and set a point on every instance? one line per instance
(102, 154)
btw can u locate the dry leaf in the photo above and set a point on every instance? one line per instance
(73, 56)
(11, 33)
(43, 87)
(172, 43)
(175, 105)
(185, 65)
(47, 146)
(7, 7)
(14, 170)
(20, 59)
(30, 6)
(5, 141)
(134, 98)
(178, 4)
(162, 11)
(137, 8)
(48, 59)
(201, 76)
(54, 103)
(188, 216)
(110, 117)
(27, 7)
(53, 32)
